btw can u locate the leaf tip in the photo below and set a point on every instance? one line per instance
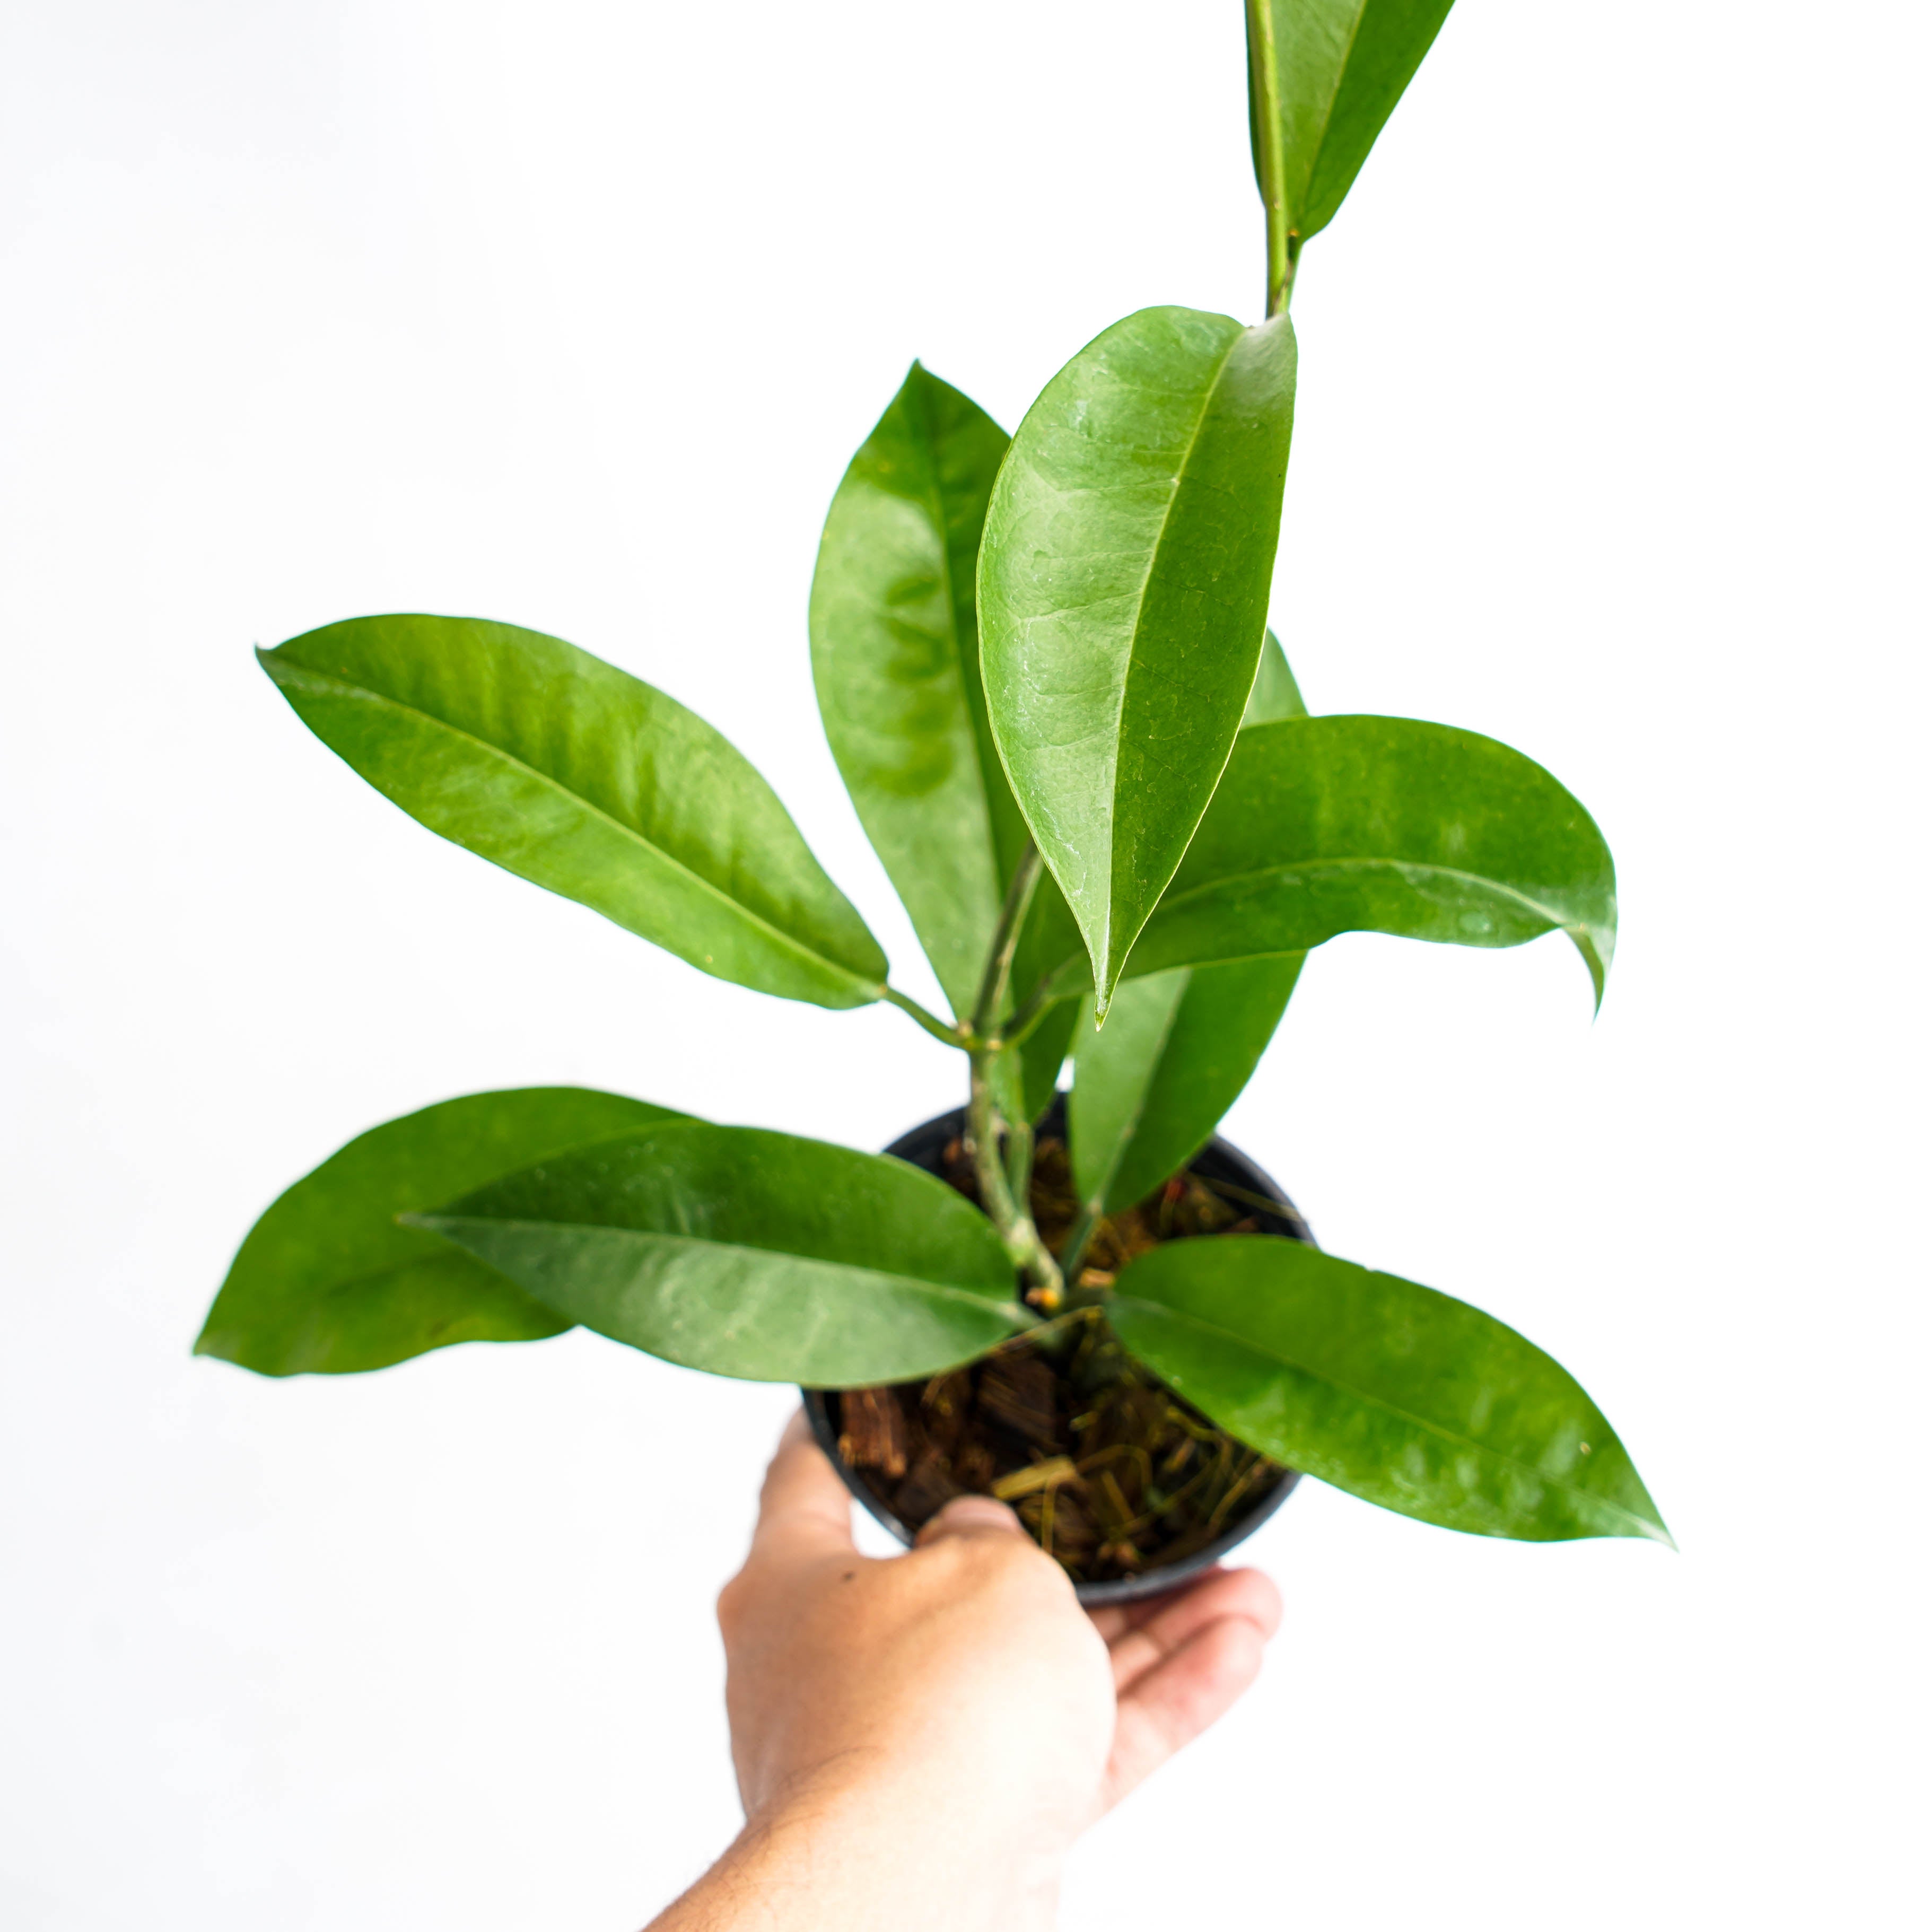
(1596, 957)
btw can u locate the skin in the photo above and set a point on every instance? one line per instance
(919, 1739)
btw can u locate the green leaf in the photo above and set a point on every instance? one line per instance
(895, 658)
(573, 774)
(1042, 1055)
(1354, 824)
(1323, 77)
(327, 1282)
(749, 1253)
(1276, 695)
(1176, 1051)
(1123, 583)
(1396, 1393)
(1179, 1046)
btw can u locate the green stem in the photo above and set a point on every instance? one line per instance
(953, 1036)
(1073, 1249)
(1284, 245)
(1019, 1024)
(1019, 1159)
(1008, 1214)
(1006, 940)
(1003, 1190)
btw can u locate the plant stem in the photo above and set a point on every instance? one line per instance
(1009, 1215)
(1073, 1250)
(1284, 245)
(1019, 1159)
(1019, 1024)
(953, 1036)
(1003, 1190)
(1006, 940)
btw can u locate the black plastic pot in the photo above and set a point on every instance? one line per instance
(924, 1147)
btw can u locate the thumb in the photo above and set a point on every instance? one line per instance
(804, 1506)
(972, 1516)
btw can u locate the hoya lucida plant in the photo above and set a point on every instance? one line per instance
(1044, 667)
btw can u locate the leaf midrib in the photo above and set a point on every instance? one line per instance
(1554, 914)
(937, 1290)
(1134, 637)
(628, 832)
(1436, 1429)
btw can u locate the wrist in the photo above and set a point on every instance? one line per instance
(857, 1845)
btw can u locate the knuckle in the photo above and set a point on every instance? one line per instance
(733, 1602)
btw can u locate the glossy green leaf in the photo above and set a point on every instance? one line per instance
(895, 658)
(1276, 695)
(1351, 824)
(1151, 1087)
(749, 1253)
(1399, 1394)
(573, 774)
(327, 1282)
(1123, 583)
(1323, 77)
(1178, 1046)
(1043, 1055)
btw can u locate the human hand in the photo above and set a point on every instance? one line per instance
(927, 1734)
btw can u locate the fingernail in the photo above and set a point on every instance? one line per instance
(964, 1512)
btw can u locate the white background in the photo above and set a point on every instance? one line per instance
(1611, 443)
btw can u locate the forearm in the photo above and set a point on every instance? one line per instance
(851, 1861)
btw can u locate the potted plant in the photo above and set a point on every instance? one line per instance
(1044, 668)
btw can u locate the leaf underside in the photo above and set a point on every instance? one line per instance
(1276, 695)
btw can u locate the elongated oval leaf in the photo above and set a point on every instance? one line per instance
(1354, 824)
(1152, 1086)
(1276, 695)
(896, 659)
(1399, 1394)
(573, 774)
(751, 1254)
(1323, 77)
(327, 1282)
(1123, 583)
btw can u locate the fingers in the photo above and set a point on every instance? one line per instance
(1139, 1636)
(1179, 1662)
(1172, 1703)
(803, 1506)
